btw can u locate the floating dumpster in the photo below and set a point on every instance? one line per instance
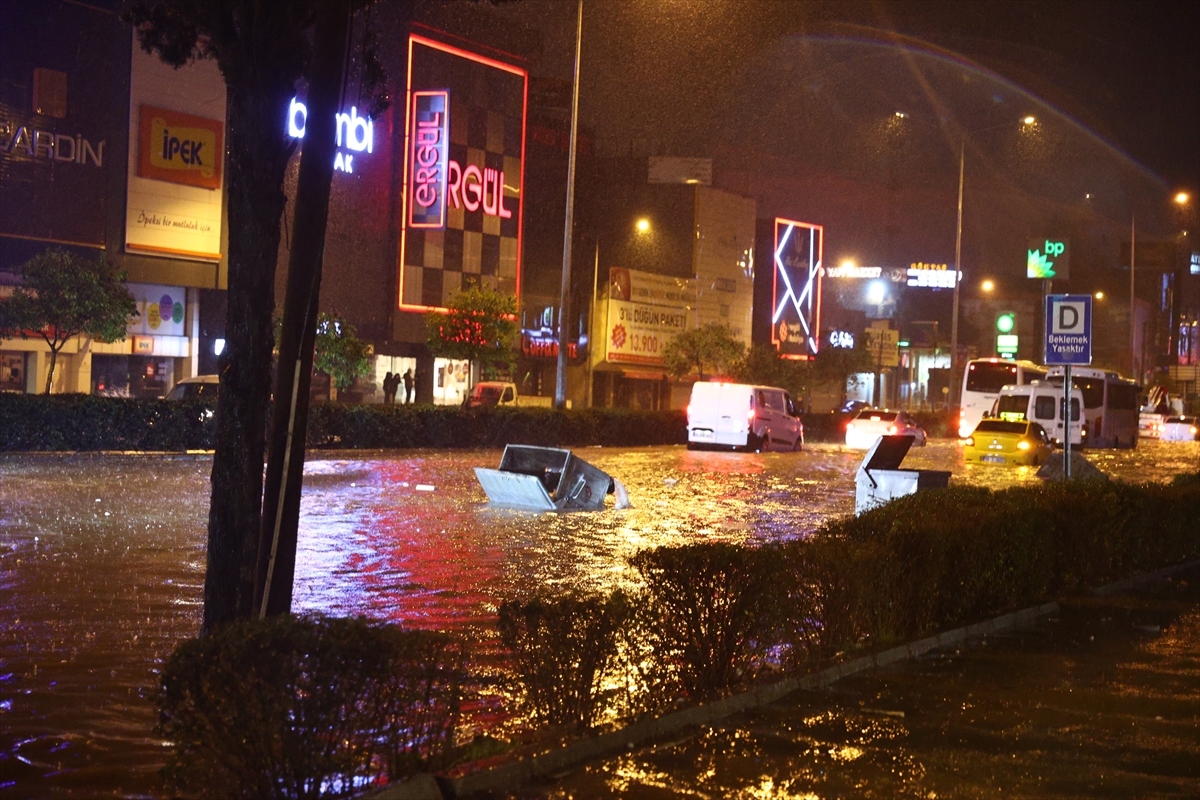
(545, 479)
(880, 478)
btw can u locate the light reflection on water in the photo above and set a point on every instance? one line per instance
(102, 565)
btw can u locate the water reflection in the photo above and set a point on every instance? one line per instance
(102, 565)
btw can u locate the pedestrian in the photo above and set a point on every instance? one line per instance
(408, 386)
(389, 389)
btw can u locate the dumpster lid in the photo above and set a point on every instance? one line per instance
(887, 453)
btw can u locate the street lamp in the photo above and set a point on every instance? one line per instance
(988, 285)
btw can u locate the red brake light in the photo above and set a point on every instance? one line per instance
(892, 429)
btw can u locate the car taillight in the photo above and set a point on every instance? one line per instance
(1192, 430)
(750, 414)
(892, 429)
(849, 426)
(1023, 444)
(970, 442)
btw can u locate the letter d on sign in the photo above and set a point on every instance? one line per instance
(1068, 318)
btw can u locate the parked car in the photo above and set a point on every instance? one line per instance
(871, 423)
(853, 406)
(1180, 429)
(201, 387)
(1001, 441)
(738, 416)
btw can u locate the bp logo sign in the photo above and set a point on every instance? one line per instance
(1048, 259)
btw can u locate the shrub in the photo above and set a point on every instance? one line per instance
(710, 611)
(307, 707)
(86, 422)
(563, 649)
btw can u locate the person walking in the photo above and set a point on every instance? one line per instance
(408, 386)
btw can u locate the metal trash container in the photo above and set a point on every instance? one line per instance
(880, 479)
(545, 479)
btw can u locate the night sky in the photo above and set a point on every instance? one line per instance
(665, 70)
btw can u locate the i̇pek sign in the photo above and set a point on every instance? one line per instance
(1068, 329)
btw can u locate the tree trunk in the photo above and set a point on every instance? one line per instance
(257, 155)
(285, 465)
(50, 373)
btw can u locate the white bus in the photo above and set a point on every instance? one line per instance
(1110, 405)
(982, 381)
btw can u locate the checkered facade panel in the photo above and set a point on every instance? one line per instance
(487, 106)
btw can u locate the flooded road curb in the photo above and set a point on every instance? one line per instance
(511, 776)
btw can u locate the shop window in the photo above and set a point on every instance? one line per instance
(12, 372)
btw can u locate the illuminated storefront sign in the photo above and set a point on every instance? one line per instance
(429, 137)
(51, 146)
(464, 156)
(353, 133)
(796, 301)
(843, 339)
(179, 148)
(541, 347)
(645, 312)
(931, 276)
(852, 271)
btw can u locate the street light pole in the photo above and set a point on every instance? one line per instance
(962, 146)
(1133, 365)
(591, 360)
(560, 376)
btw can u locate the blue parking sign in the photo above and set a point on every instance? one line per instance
(1068, 329)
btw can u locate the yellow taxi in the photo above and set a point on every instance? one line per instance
(1001, 441)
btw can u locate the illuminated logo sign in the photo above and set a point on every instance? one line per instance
(1048, 259)
(179, 148)
(931, 276)
(353, 133)
(796, 301)
(843, 339)
(538, 347)
(428, 166)
(463, 175)
(1006, 344)
(51, 146)
(851, 271)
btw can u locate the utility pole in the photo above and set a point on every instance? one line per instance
(564, 316)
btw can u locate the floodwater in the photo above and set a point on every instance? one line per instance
(1102, 700)
(102, 565)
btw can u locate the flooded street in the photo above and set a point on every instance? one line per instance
(102, 565)
(1101, 700)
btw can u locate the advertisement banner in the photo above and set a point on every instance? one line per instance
(645, 312)
(160, 310)
(796, 294)
(176, 141)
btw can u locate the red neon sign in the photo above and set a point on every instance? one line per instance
(473, 187)
(428, 135)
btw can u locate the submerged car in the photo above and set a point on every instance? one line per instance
(1000, 441)
(871, 423)
(1180, 429)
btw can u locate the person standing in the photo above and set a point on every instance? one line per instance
(408, 386)
(389, 389)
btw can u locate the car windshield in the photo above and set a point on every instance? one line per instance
(1000, 426)
(878, 416)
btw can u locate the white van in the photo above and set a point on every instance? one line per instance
(737, 415)
(1042, 403)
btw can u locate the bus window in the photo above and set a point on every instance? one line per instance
(985, 376)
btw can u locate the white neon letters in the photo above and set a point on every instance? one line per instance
(353, 132)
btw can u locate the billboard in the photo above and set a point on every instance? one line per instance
(176, 143)
(645, 311)
(463, 175)
(796, 288)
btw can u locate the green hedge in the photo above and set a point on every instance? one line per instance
(307, 707)
(86, 422)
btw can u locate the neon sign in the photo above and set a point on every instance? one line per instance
(796, 316)
(353, 132)
(428, 137)
(843, 339)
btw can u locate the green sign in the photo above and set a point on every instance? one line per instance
(1006, 344)
(1048, 259)
(1006, 322)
